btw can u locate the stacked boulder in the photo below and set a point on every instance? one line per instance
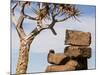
(76, 53)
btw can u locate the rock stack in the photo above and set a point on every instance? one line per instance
(76, 53)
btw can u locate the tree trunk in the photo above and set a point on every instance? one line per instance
(23, 57)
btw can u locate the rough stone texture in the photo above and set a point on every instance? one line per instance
(82, 64)
(78, 51)
(75, 55)
(55, 58)
(74, 37)
(69, 66)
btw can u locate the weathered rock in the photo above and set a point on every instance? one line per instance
(55, 58)
(82, 64)
(78, 51)
(74, 37)
(69, 66)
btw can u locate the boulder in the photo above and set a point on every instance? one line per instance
(69, 66)
(77, 51)
(55, 58)
(77, 38)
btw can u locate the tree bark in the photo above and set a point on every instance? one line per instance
(23, 58)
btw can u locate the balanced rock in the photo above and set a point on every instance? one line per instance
(78, 51)
(77, 38)
(69, 66)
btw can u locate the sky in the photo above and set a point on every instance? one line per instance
(46, 40)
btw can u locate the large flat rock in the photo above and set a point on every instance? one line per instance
(73, 37)
(69, 66)
(77, 51)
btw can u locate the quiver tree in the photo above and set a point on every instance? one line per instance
(43, 12)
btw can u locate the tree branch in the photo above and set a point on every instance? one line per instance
(18, 23)
(35, 32)
(50, 26)
(56, 14)
(14, 19)
(64, 19)
(29, 17)
(32, 35)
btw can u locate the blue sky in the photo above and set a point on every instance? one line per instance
(46, 40)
